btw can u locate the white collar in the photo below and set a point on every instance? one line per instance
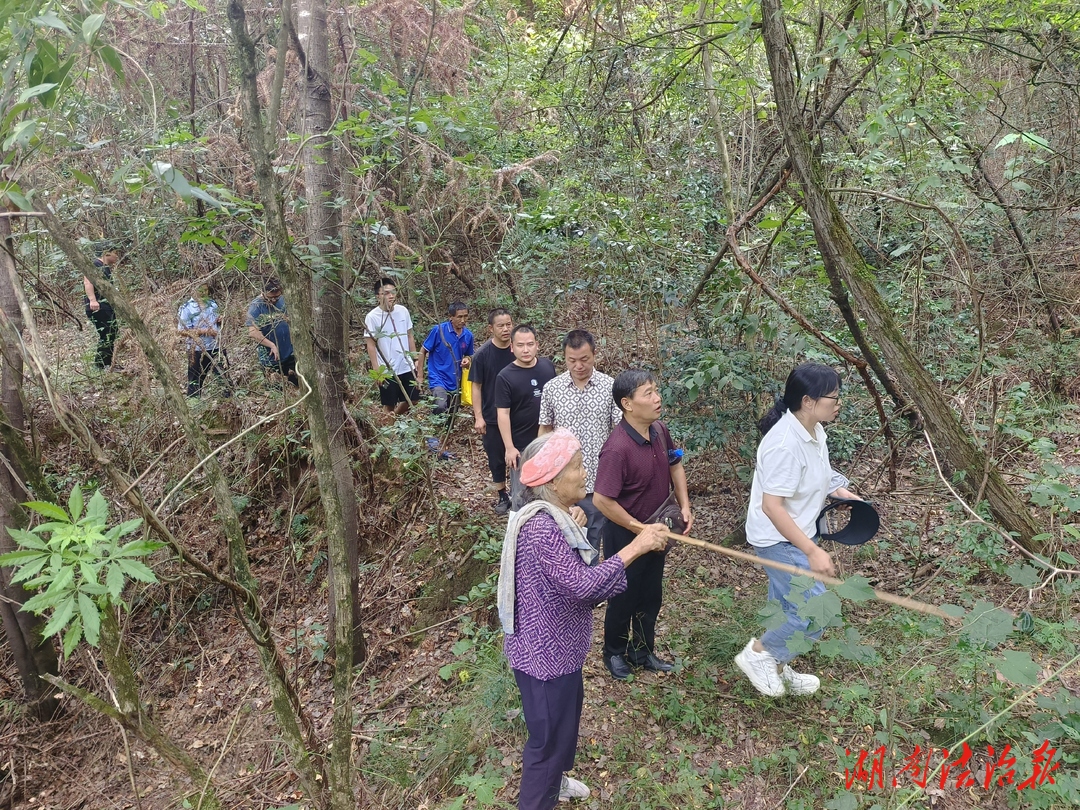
(801, 430)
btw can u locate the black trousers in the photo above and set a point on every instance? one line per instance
(200, 364)
(286, 368)
(630, 621)
(496, 453)
(108, 329)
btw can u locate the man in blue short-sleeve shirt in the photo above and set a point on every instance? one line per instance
(447, 350)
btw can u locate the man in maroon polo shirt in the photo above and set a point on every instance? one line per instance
(637, 470)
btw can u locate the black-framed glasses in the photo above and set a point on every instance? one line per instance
(825, 396)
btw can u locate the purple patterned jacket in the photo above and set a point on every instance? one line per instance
(555, 594)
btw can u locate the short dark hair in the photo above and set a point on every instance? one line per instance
(382, 282)
(272, 284)
(628, 382)
(495, 313)
(522, 327)
(807, 380)
(456, 307)
(576, 338)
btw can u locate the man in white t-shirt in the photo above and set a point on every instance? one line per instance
(388, 335)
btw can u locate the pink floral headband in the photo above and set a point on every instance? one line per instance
(551, 460)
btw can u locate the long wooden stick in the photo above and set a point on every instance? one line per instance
(884, 596)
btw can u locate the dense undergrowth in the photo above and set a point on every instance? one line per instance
(896, 684)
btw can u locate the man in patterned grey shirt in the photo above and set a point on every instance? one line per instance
(580, 400)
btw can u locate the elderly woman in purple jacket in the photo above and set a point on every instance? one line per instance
(547, 591)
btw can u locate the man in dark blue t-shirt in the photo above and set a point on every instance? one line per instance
(447, 350)
(268, 326)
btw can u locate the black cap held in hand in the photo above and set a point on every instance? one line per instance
(863, 522)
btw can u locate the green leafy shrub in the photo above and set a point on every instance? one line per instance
(80, 562)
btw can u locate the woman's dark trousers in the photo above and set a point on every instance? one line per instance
(552, 712)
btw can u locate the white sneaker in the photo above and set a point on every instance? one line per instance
(572, 789)
(798, 683)
(760, 668)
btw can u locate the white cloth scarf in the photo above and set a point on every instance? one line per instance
(575, 538)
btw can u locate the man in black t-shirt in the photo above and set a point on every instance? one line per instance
(517, 394)
(489, 360)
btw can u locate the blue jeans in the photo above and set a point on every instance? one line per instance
(775, 641)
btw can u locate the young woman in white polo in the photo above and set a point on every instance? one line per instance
(792, 479)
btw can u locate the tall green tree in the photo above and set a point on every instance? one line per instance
(299, 294)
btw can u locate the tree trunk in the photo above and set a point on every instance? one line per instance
(322, 184)
(34, 656)
(840, 255)
(299, 297)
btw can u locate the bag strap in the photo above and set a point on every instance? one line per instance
(449, 348)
